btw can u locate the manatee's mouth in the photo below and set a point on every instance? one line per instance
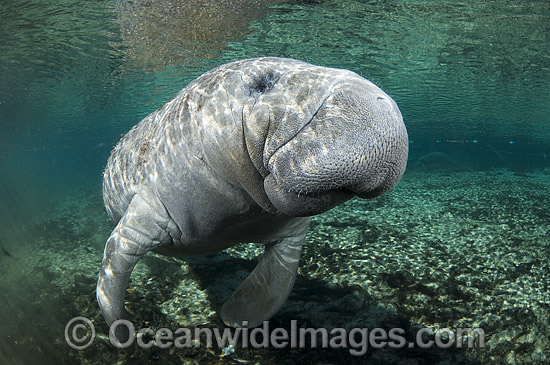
(291, 200)
(308, 177)
(294, 202)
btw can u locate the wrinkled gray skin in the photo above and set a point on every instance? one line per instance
(247, 153)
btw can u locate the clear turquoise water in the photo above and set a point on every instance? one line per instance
(72, 80)
(472, 79)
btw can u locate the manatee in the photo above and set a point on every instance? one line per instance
(247, 152)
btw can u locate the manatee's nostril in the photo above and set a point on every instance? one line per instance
(385, 103)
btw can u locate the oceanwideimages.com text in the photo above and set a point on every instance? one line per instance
(80, 333)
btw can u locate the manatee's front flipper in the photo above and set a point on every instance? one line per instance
(144, 227)
(266, 289)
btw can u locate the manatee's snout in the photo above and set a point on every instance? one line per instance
(356, 144)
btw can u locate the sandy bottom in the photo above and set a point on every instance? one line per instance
(442, 250)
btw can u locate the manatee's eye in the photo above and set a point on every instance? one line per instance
(264, 82)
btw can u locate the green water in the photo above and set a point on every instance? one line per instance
(472, 79)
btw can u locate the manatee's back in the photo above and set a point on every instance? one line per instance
(145, 151)
(161, 144)
(124, 172)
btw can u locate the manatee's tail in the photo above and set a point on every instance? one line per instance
(267, 288)
(142, 228)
